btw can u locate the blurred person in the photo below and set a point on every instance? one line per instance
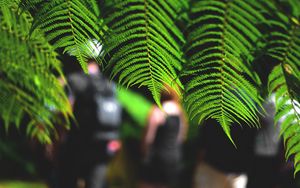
(165, 133)
(269, 169)
(90, 145)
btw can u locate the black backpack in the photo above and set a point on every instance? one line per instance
(96, 106)
(108, 108)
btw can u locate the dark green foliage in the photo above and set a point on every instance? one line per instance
(221, 38)
(28, 85)
(205, 48)
(68, 24)
(146, 45)
(284, 47)
(287, 111)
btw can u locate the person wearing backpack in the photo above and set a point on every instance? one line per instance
(94, 139)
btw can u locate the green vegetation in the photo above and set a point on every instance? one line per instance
(20, 184)
(208, 51)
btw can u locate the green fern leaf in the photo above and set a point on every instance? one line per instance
(287, 111)
(218, 86)
(145, 48)
(70, 25)
(284, 80)
(28, 83)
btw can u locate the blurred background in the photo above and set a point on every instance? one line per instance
(118, 137)
(116, 152)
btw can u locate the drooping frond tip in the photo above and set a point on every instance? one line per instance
(218, 78)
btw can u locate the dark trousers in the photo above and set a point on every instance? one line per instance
(86, 160)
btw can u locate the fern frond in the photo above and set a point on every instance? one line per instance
(218, 76)
(145, 48)
(287, 111)
(284, 48)
(69, 25)
(28, 83)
